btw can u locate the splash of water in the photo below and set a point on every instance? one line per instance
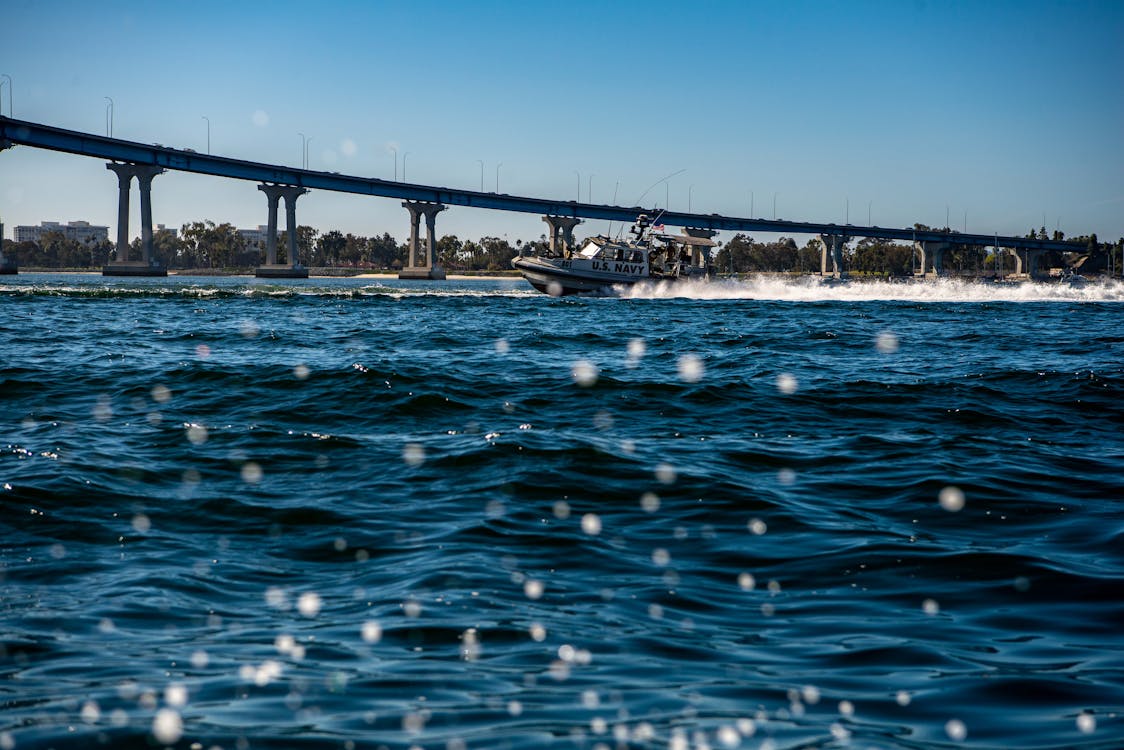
(814, 289)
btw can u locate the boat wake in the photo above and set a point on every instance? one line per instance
(815, 289)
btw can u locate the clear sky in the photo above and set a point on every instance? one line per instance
(1011, 113)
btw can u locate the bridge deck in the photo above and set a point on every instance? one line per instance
(52, 138)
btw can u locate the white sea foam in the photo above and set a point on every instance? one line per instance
(814, 289)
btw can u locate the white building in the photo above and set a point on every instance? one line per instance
(256, 237)
(82, 231)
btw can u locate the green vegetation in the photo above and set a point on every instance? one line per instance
(220, 247)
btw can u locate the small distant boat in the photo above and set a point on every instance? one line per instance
(602, 262)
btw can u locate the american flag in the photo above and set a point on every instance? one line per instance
(657, 227)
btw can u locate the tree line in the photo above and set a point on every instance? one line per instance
(207, 245)
(872, 256)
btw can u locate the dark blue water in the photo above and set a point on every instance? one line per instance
(364, 513)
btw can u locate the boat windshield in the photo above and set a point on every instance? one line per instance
(591, 250)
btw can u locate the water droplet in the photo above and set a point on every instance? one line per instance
(199, 659)
(665, 474)
(650, 502)
(167, 726)
(591, 524)
(371, 632)
(413, 454)
(251, 472)
(636, 351)
(1086, 723)
(203, 351)
(691, 368)
(887, 342)
(810, 694)
(756, 526)
(90, 712)
(309, 604)
(196, 434)
(951, 499)
(584, 373)
(747, 582)
(249, 329)
(554, 289)
(103, 411)
(533, 589)
(786, 383)
(175, 695)
(502, 346)
(161, 394)
(537, 631)
(930, 607)
(260, 118)
(301, 372)
(728, 736)
(661, 557)
(846, 708)
(561, 510)
(141, 523)
(955, 730)
(902, 697)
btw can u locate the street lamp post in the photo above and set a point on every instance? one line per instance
(208, 119)
(395, 150)
(498, 165)
(481, 163)
(751, 204)
(11, 112)
(579, 174)
(690, 190)
(304, 148)
(775, 206)
(306, 151)
(589, 190)
(108, 117)
(404, 166)
(868, 205)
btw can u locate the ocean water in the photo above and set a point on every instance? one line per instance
(368, 513)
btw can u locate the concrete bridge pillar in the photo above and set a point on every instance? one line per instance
(833, 244)
(122, 266)
(565, 225)
(932, 256)
(6, 266)
(1026, 262)
(422, 263)
(272, 269)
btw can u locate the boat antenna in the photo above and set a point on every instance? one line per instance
(650, 187)
(658, 182)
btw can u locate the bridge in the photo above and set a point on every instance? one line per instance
(129, 160)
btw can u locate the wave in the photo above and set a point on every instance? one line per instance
(815, 289)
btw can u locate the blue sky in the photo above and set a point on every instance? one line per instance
(1006, 112)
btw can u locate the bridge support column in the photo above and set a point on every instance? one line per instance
(932, 256)
(272, 269)
(422, 263)
(564, 225)
(833, 244)
(6, 266)
(699, 259)
(122, 266)
(1026, 262)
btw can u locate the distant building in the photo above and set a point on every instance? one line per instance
(82, 231)
(256, 237)
(162, 228)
